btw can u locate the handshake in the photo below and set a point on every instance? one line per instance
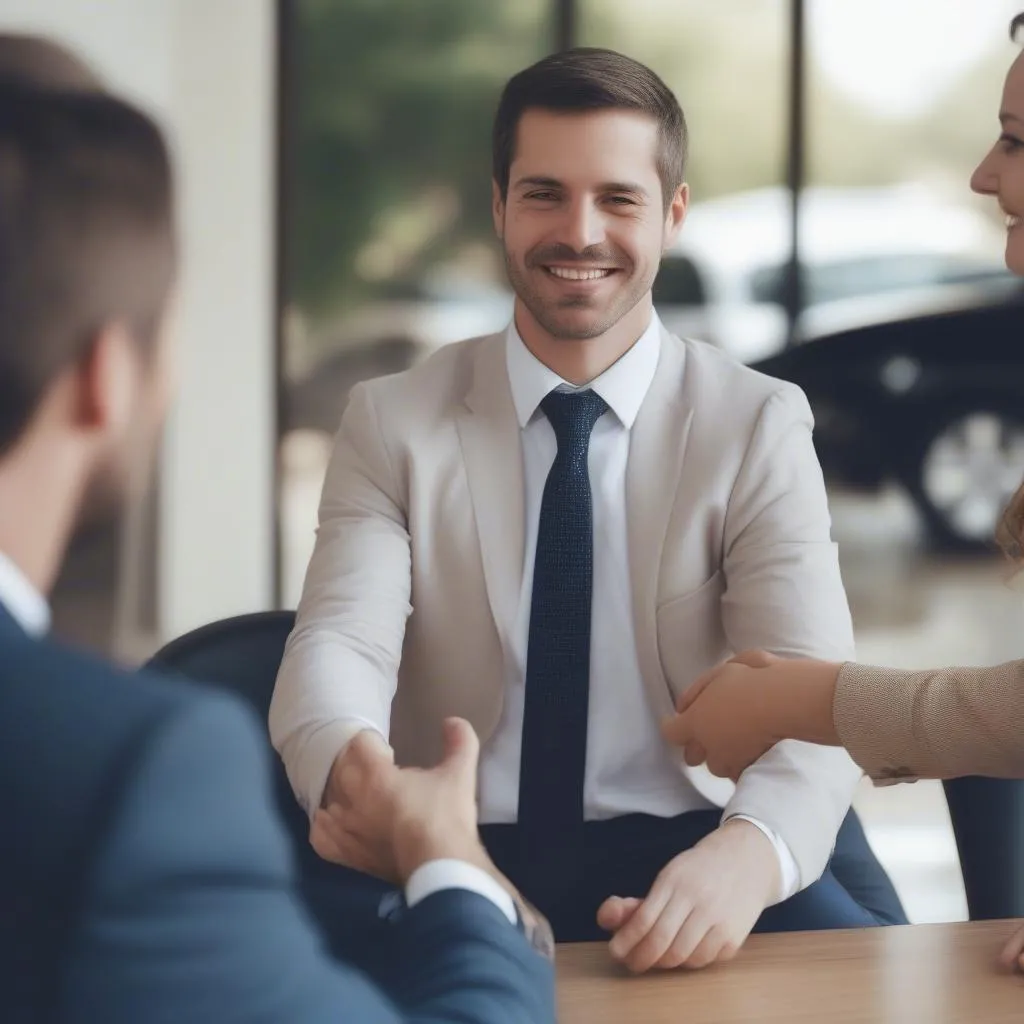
(388, 821)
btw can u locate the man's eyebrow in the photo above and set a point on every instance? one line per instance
(1007, 116)
(539, 181)
(624, 186)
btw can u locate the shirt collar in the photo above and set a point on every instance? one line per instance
(623, 386)
(23, 602)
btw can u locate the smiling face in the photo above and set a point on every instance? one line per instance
(1001, 173)
(585, 222)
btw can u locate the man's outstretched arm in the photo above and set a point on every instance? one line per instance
(191, 913)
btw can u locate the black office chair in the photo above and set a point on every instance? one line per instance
(988, 823)
(242, 654)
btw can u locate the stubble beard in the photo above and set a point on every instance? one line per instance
(547, 314)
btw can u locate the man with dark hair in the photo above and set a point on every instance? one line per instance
(143, 876)
(552, 532)
(37, 61)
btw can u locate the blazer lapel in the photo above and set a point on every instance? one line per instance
(656, 446)
(493, 455)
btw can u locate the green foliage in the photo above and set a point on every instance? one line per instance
(394, 98)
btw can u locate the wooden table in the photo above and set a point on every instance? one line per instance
(932, 974)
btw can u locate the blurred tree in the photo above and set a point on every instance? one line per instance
(394, 100)
(728, 66)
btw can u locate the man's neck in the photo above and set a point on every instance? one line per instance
(581, 361)
(38, 500)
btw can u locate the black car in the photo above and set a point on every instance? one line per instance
(935, 402)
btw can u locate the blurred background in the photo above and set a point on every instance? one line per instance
(334, 159)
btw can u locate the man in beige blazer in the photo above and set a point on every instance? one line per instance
(552, 532)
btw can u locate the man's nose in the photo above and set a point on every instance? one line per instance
(583, 227)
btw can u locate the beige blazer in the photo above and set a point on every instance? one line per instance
(419, 554)
(902, 726)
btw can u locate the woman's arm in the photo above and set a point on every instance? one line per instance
(936, 724)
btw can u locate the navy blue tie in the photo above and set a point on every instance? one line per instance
(554, 747)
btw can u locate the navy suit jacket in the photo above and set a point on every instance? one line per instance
(145, 878)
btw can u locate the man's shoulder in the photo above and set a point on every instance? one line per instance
(76, 732)
(73, 726)
(723, 375)
(713, 385)
(64, 681)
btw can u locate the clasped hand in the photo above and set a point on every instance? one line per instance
(386, 821)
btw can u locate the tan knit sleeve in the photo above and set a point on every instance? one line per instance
(901, 726)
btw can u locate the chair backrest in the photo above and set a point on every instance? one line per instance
(988, 823)
(241, 654)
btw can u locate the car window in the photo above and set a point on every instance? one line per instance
(678, 283)
(844, 279)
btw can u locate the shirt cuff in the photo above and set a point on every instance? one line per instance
(438, 875)
(789, 873)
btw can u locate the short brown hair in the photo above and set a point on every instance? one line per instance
(86, 235)
(44, 64)
(585, 79)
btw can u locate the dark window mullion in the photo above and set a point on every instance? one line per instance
(795, 163)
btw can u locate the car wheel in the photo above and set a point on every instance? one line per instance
(967, 468)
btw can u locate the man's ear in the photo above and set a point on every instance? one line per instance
(676, 214)
(498, 210)
(106, 379)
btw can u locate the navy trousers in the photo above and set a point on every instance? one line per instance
(622, 857)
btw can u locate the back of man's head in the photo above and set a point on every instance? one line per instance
(40, 62)
(86, 234)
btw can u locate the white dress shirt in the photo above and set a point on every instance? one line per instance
(629, 767)
(30, 610)
(23, 602)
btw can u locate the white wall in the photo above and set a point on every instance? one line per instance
(206, 69)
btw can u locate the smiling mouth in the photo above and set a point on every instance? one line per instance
(1012, 221)
(580, 274)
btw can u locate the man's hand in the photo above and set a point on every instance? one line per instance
(1013, 953)
(388, 821)
(361, 765)
(702, 905)
(735, 713)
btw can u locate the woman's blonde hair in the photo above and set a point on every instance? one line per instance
(1010, 531)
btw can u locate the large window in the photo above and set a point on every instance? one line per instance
(711, 54)
(902, 103)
